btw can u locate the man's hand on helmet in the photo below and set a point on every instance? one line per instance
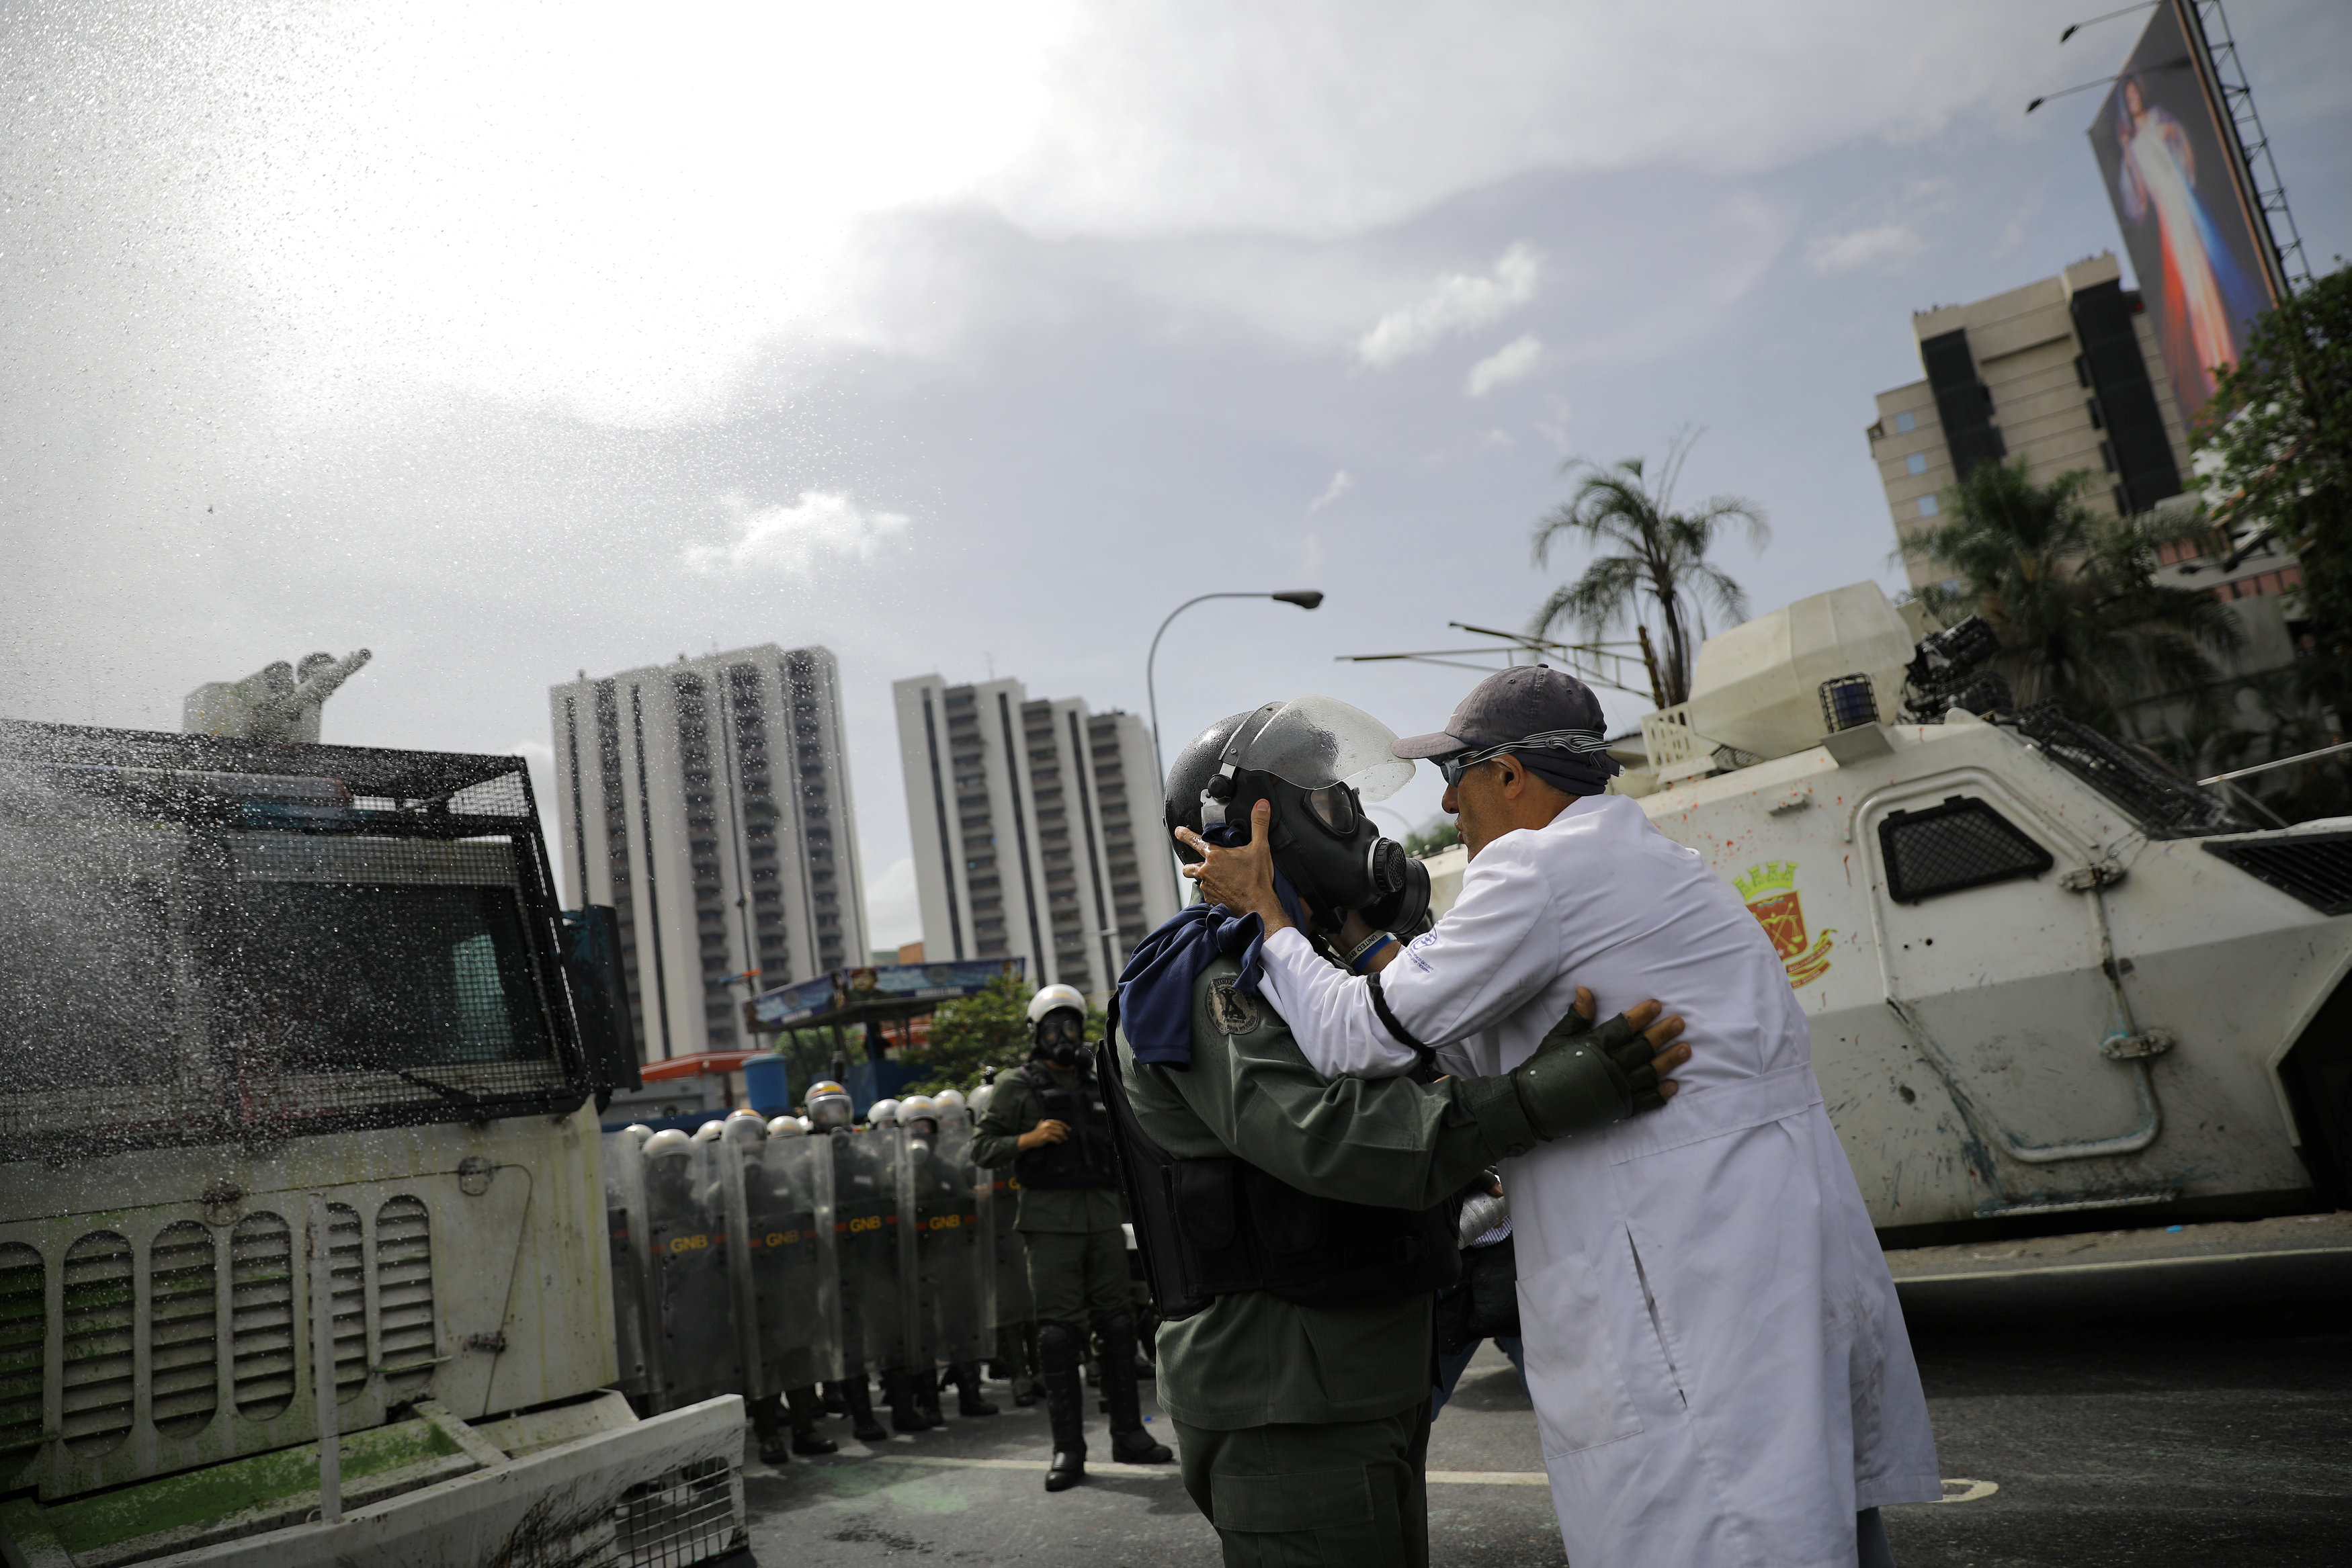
(1240, 878)
(1581, 1077)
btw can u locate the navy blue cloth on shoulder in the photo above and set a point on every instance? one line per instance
(1153, 1008)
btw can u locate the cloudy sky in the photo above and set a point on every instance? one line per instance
(511, 341)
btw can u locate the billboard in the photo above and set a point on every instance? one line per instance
(2172, 169)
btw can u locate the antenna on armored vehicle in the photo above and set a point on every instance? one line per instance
(1594, 664)
(277, 702)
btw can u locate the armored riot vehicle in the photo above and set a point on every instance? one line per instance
(302, 1246)
(2046, 975)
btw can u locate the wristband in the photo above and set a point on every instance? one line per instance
(1368, 949)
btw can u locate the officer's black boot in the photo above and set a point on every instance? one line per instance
(833, 1404)
(898, 1393)
(1058, 1349)
(967, 1381)
(768, 1424)
(927, 1395)
(806, 1407)
(1129, 1443)
(857, 1398)
(1027, 1388)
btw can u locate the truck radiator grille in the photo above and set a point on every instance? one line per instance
(2314, 867)
(261, 1315)
(347, 1302)
(691, 1515)
(403, 1291)
(99, 1301)
(24, 1352)
(183, 1339)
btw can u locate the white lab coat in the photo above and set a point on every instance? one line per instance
(1714, 1347)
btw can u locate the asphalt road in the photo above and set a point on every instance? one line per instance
(2175, 1417)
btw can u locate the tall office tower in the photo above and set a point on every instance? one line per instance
(709, 803)
(1036, 829)
(2064, 373)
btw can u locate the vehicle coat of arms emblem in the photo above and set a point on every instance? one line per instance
(1769, 892)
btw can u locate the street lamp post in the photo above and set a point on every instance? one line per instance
(1305, 598)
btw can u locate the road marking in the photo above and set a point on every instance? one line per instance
(1969, 1490)
(1435, 1478)
(2118, 1265)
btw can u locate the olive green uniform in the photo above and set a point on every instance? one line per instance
(1303, 1428)
(1077, 1252)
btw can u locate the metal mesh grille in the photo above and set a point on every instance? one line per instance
(261, 1315)
(183, 1339)
(2164, 806)
(267, 963)
(1959, 845)
(689, 1516)
(97, 1348)
(2314, 867)
(24, 1352)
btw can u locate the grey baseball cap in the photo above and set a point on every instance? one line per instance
(1509, 706)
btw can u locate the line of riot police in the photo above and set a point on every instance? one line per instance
(789, 1261)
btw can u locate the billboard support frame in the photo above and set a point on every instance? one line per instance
(2224, 79)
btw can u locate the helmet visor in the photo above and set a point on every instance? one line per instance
(1314, 742)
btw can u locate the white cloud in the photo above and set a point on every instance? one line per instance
(894, 914)
(1340, 486)
(791, 537)
(1457, 303)
(1506, 364)
(1882, 248)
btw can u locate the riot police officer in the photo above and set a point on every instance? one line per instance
(1047, 1121)
(951, 1258)
(869, 1297)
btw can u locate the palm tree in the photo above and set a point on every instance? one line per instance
(1664, 558)
(2073, 594)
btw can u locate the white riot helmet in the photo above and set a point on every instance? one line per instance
(1057, 1024)
(828, 1105)
(710, 1132)
(983, 1094)
(638, 1131)
(945, 1097)
(882, 1114)
(669, 1144)
(744, 1127)
(786, 1127)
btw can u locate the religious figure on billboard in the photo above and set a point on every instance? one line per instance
(2187, 224)
(2204, 296)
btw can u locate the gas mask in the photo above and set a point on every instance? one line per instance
(1061, 1037)
(1319, 762)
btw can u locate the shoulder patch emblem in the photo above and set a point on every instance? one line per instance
(1233, 1012)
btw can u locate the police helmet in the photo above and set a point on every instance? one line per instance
(1050, 999)
(744, 1127)
(710, 1132)
(786, 1127)
(882, 1114)
(947, 1097)
(669, 1144)
(828, 1105)
(638, 1131)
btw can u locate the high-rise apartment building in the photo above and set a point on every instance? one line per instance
(708, 801)
(1036, 829)
(2064, 373)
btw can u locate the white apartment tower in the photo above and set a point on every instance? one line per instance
(708, 801)
(1036, 829)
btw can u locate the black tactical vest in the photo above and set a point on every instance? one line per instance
(1084, 1158)
(1218, 1226)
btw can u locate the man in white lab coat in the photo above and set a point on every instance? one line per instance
(1714, 1347)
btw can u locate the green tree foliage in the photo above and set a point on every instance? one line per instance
(990, 1029)
(2278, 434)
(1441, 835)
(2073, 593)
(1660, 562)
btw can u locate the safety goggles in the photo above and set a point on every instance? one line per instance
(1334, 806)
(1575, 742)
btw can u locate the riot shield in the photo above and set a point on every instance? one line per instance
(693, 1299)
(790, 1253)
(940, 1207)
(624, 1228)
(865, 1229)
